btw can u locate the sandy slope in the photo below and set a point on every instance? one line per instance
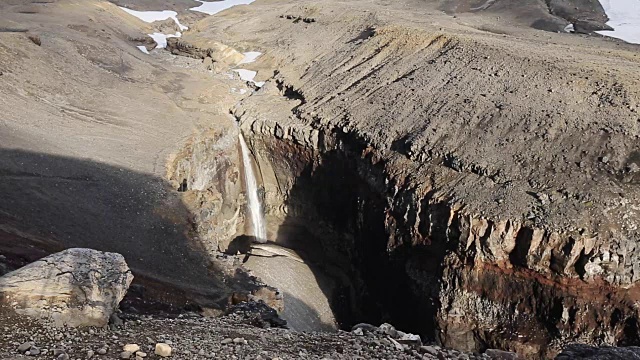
(87, 124)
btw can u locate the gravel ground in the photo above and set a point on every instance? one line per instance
(193, 337)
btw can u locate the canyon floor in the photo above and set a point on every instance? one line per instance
(463, 169)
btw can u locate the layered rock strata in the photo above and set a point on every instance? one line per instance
(478, 187)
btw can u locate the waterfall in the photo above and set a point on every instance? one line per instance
(255, 210)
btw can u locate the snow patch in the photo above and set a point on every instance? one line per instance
(161, 39)
(214, 7)
(249, 75)
(624, 17)
(143, 49)
(151, 16)
(250, 57)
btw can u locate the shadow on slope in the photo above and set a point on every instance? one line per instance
(48, 203)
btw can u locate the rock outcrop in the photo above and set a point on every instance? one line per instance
(75, 287)
(476, 187)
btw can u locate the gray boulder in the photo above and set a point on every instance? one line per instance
(75, 287)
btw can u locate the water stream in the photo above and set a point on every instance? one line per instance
(255, 208)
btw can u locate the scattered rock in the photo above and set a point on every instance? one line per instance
(115, 322)
(132, 348)
(25, 347)
(587, 352)
(495, 354)
(410, 339)
(388, 330)
(163, 350)
(428, 350)
(259, 314)
(366, 328)
(125, 355)
(239, 341)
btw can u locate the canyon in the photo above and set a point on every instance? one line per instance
(469, 176)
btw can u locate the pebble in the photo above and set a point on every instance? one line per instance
(102, 351)
(132, 348)
(239, 340)
(227, 341)
(25, 346)
(125, 355)
(163, 350)
(90, 354)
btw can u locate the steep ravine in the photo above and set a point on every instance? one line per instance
(413, 258)
(482, 201)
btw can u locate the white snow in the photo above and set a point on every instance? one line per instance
(151, 16)
(246, 75)
(249, 75)
(249, 57)
(214, 7)
(624, 17)
(161, 39)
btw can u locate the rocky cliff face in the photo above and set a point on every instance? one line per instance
(480, 188)
(207, 170)
(409, 254)
(402, 253)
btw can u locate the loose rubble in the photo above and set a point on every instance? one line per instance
(191, 336)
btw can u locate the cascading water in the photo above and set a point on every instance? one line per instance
(255, 210)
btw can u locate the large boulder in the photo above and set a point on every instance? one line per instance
(75, 287)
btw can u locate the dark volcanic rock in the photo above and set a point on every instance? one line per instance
(581, 351)
(257, 313)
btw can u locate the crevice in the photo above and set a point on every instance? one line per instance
(518, 255)
(290, 92)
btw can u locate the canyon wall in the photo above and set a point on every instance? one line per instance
(475, 283)
(476, 187)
